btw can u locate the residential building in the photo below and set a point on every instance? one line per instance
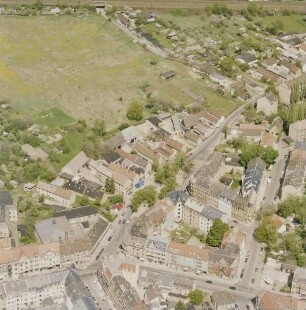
(74, 166)
(297, 130)
(223, 301)
(294, 179)
(56, 194)
(62, 290)
(28, 259)
(200, 216)
(298, 286)
(247, 58)
(79, 215)
(186, 257)
(121, 292)
(252, 179)
(267, 104)
(286, 87)
(280, 223)
(100, 170)
(272, 301)
(147, 153)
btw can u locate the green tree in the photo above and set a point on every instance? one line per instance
(147, 195)
(266, 233)
(227, 65)
(99, 128)
(135, 111)
(110, 185)
(196, 297)
(180, 306)
(216, 233)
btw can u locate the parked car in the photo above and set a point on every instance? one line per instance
(109, 238)
(119, 222)
(123, 222)
(256, 269)
(253, 280)
(232, 288)
(209, 281)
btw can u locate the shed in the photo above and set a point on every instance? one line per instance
(168, 75)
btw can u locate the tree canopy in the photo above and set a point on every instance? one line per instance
(135, 111)
(196, 297)
(216, 233)
(266, 233)
(180, 306)
(147, 194)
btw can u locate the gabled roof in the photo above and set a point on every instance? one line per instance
(76, 163)
(178, 196)
(253, 174)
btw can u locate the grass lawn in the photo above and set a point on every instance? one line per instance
(74, 141)
(291, 24)
(53, 118)
(83, 65)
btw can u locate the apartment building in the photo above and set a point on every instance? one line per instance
(28, 259)
(121, 292)
(59, 290)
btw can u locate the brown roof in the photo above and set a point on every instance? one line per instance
(174, 144)
(14, 254)
(127, 173)
(165, 151)
(233, 236)
(289, 65)
(271, 301)
(267, 139)
(188, 250)
(55, 190)
(120, 179)
(75, 246)
(298, 80)
(147, 152)
(252, 129)
(268, 75)
(278, 221)
(127, 267)
(192, 136)
(270, 61)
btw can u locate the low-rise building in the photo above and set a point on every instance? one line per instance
(223, 301)
(271, 301)
(297, 130)
(298, 286)
(267, 104)
(58, 195)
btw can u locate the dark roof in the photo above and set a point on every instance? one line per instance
(253, 174)
(77, 292)
(77, 212)
(168, 74)
(85, 187)
(85, 224)
(300, 145)
(154, 120)
(97, 230)
(112, 157)
(5, 198)
(177, 196)
(247, 57)
(294, 41)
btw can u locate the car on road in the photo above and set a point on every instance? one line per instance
(109, 238)
(119, 222)
(253, 280)
(208, 281)
(246, 259)
(123, 222)
(232, 288)
(256, 269)
(235, 221)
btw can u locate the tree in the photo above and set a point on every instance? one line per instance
(135, 111)
(227, 65)
(180, 306)
(147, 194)
(216, 233)
(110, 186)
(196, 297)
(99, 128)
(266, 232)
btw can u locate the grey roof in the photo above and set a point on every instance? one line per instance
(78, 293)
(52, 230)
(112, 157)
(178, 196)
(253, 174)
(247, 57)
(300, 145)
(211, 213)
(157, 243)
(168, 74)
(154, 120)
(5, 198)
(76, 213)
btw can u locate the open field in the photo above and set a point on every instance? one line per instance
(291, 24)
(86, 67)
